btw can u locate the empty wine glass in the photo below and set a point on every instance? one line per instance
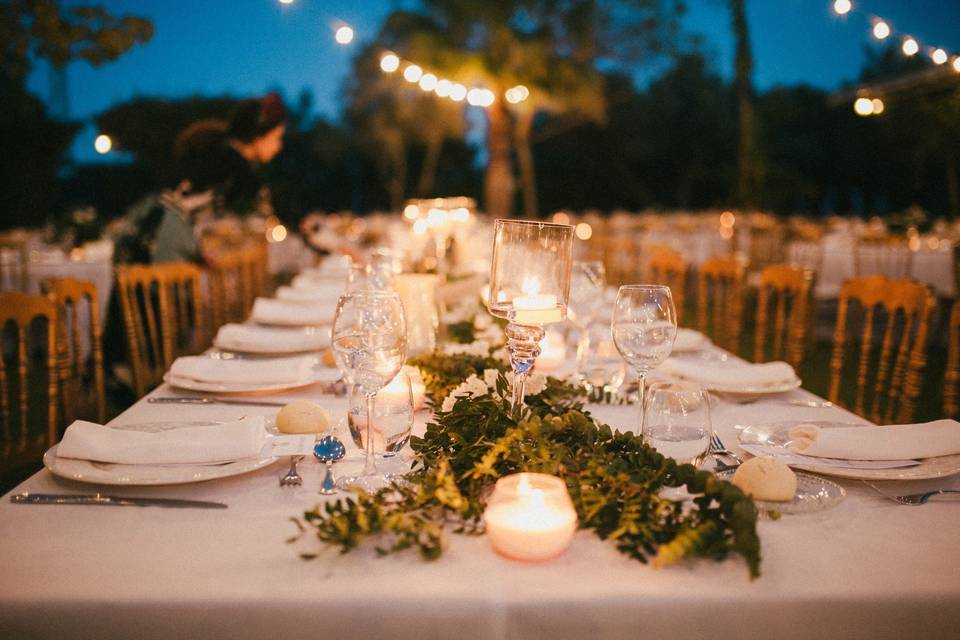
(369, 345)
(600, 369)
(676, 421)
(644, 327)
(392, 419)
(587, 282)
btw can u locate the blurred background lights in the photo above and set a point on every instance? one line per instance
(443, 88)
(584, 231)
(389, 62)
(344, 35)
(517, 94)
(286, 1)
(561, 217)
(910, 46)
(102, 144)
(458, 92)
(278, 233)
(428, 82)
(412, 73)
(863, 106)
(842, 7)
(881, 30)
(878, 106)
(956, 64)
(727, 219)
(480, 97)
(411, 212)
(939, 56)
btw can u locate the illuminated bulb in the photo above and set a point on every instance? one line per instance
(412, 73)
(286, 1)
(460, 214)
(278, 233)
(411, 212)
(842, 7)
(561, 217)
(103, 144)
(956, 64)
(389, 62)
(428, 82)
(584, 231)
(939, 56)
(881, 30)
(727, 219)
(458, 92)
(863, 106)
(480, 97)
(420, 227)
(910, 46)
(517, 94)
(878, 106)
(344, 35)
(443, 88)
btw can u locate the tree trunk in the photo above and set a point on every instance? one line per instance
(431, 160)
(745, 119)
(528, 174)
(498, 181)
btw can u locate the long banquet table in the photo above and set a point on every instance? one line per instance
(867, 568)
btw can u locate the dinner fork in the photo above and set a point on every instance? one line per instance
(912, 499)
(717, 448)
(292, 478)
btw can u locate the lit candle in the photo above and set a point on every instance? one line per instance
(530, 517)
(396, 389)
(535, 308)
(553, 352)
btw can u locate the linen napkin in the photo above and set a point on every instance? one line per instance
(729, 373)
(290, 313)
(223, 442)
(266, 372)
(316, 291)
(689, 340)
(244, 337)
(891, 442)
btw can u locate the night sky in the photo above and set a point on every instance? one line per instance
(245, 47)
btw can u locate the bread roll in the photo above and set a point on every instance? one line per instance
(766, 479)
(303, 416)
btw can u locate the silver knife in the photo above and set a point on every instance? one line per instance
(111, 501)
(206, 400)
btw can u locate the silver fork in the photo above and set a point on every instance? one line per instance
(913, 499)
(292, 478)
(717, 449)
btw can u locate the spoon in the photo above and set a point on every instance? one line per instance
(329, 450)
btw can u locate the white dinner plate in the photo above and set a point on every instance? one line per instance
(777, 434)
(268, 349)
(146, 474)
(316, 375)
(740, 390)
(813, 494)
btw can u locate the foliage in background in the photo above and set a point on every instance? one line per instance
(613, 479)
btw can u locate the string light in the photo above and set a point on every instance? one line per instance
(517, 94)
(412, 73)
(881, 30)
(428, 82)
(443, 88)
(842, 7)
(286, 1)
(910, 46)
(878, 106)
(103, 144)
(389, 62)
(939, 56)
(956, 64)
(863, 106)
(480, 97)
(458, 92)
(344, 35)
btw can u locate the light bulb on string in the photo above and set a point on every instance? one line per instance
(842, 7)
(389, 62)
(517, 94)
(103, 144)
(480, 97)
(881, 30)
(956, 64)
(344, 35)
(443, 88)
(428, 82)
(939, 56)
(910, 46)
(458, 92)
(412, 73)
(878, 106)
(863, 106)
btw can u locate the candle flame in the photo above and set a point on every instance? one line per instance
(531, 286)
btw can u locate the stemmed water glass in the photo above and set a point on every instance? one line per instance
(587, 282)
(644, 327)
(370, 346)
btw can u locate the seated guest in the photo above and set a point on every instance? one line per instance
(255, 132)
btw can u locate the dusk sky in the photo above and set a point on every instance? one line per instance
(245, 47)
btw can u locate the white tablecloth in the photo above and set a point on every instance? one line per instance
(867, 568)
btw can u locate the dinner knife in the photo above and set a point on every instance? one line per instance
(111, 501)
(206, 400)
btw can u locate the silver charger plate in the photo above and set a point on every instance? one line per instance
(813, 494)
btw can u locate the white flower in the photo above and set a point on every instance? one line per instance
(448, 403)
(490, 377)
(501, 355)
(469, 388)
(535, 384)
(482, 321)
(475, 348)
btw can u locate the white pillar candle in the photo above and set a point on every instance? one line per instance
(418, 294)
(535, 308)
(530, 517)
(396, 391)
(553, 352)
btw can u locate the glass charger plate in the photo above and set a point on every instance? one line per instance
(813, 494)
(317, 375)
(146, 474)
(777, 434)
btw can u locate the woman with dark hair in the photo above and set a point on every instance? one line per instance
(256, 128)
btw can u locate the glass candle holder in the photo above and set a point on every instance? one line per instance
(529, 287)
(530, 517)
(418, 294)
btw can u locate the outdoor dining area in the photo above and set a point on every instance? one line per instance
(522, 320)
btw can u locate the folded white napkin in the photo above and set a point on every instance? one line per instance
(286, 312)
(892, 442)
(315, 291)
(729, 373)
(252, 337)
(689, 340)
(184, 445)
(267, 372)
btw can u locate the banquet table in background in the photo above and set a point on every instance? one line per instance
(867, 568)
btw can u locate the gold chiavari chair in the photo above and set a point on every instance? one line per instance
(667, 266)
(621, 259)
(13, 261)
(162, 315)
(227, 284)
(23, 444)
(767, 235)
(883, 255)
(787, 288)
(72, 296)
(951, 386)
(888, 373)
(720, 290)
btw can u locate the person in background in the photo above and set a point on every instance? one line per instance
(255, 131)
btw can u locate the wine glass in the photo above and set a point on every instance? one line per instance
(600, 369)
(676, 421)
(392, 419)
(587, 282)
(644, 327)
(370, 346)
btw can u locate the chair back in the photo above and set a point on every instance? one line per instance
(22, 444)
(80, 340)
(13, 262)
(720, 301)
(767, 246)
(667, 266)
(951, 387)
(162, 316)
(786, 289)
(894, 320)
